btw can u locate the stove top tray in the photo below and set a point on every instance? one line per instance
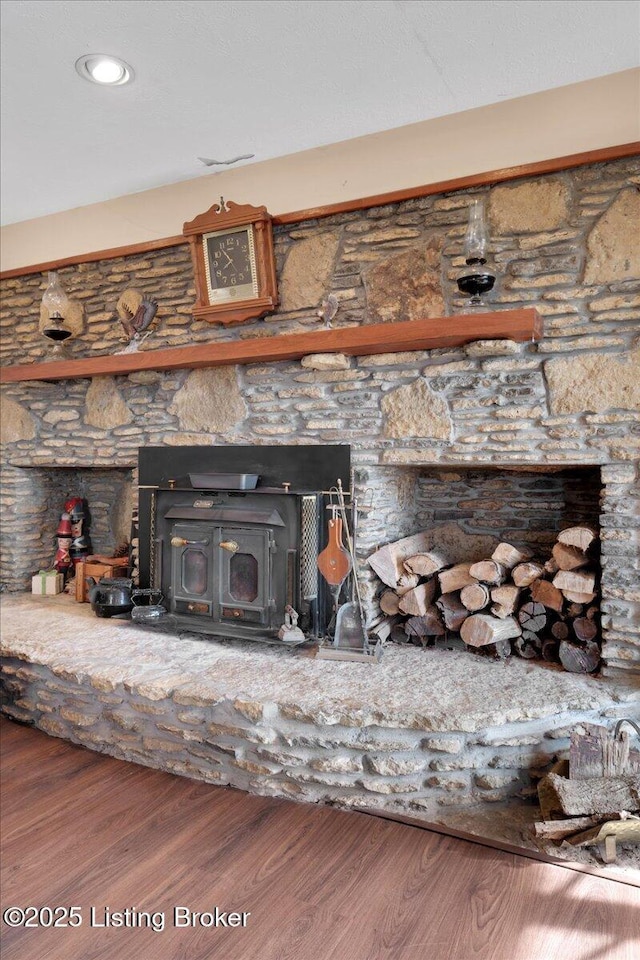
(224, 481)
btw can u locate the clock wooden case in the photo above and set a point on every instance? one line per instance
(233, 261)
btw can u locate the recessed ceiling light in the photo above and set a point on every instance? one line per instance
(105, 69)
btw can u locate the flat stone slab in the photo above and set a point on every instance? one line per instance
(414, 688)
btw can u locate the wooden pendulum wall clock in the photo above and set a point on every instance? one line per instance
(234, 263)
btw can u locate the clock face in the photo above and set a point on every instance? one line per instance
(230, 265)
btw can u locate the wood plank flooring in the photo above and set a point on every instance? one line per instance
(81, 829)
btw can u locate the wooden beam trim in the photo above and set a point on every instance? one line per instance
(522, 325)
(131, 249)
(537, 168)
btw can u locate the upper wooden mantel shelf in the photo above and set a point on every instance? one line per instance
(520, 325)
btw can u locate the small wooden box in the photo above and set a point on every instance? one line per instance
(96, 566)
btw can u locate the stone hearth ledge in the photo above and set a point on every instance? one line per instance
(423, 730)
(430, 690)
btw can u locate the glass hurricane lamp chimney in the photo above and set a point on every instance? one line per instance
(54, 298)
(477, 277)
(476, 238)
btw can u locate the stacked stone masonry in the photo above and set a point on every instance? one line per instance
(565, 243)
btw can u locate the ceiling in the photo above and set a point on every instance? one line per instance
(219, 78)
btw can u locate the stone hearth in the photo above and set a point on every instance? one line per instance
(426, 731)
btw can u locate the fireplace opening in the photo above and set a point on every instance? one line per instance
(34, 498)
(478, 557)
(519, 504)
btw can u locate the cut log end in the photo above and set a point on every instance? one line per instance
(481, 629)
(488, 571)
(475, 596)
(525, 573)
(509, 556)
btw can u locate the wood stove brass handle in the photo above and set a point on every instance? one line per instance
(230, 545)
(181, 542)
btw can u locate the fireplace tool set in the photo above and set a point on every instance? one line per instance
(348, 622)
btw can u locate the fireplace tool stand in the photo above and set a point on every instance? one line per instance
(350, 640)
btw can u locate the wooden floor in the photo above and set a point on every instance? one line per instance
(80, 829)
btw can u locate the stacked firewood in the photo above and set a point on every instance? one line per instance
(507, 603)
(594, 796)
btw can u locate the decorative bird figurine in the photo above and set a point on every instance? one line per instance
(329, 309)
(135, 313)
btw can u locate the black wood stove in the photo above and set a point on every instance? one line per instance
(231, 553)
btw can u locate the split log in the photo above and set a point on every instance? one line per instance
(568, 557)
(384, 627)
(595, 752)
(575, 581)
(409, 581)
(475, 596)
(429, 625)
(389, 602)
(416, 601)
(592, 613)
(406, 582)
(455, 578)
(388, 560)
(505, 600)
(598, 795)
(560, 630)
(397, 634)
(544, 592)
(585, 629)
(528, 645)
(488, 571)
(559, 829)
(578, 659)
(509, 556)
(580, 537)
(424, 564)
(525, 573)
(551, 566)
(481, 628)
(575, 609)
(550, 651)
(502, 649)
(533, 617)
(453, 611)
(577, 597)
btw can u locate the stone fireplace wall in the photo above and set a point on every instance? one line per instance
(565, 243)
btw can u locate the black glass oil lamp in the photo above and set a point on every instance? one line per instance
(477, 277)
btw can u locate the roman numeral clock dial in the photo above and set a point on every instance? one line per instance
(234, 263)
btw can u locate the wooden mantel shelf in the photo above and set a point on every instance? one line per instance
(520, 325)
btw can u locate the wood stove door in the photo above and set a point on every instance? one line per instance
(244, 563)
(192, 568)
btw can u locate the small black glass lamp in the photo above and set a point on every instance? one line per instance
(478, 276)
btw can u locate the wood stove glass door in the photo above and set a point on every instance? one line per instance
(192, 568)
(244, 558)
